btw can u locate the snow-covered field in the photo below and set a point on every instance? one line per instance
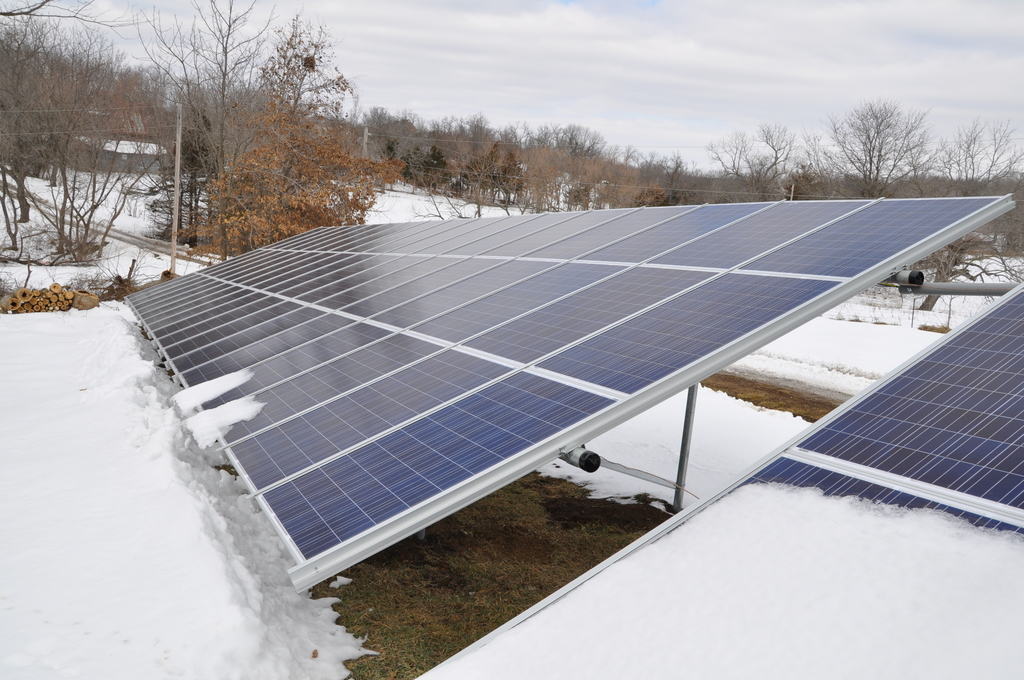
(777, 582)
(125, 554)
(116, 258)
(404, 204)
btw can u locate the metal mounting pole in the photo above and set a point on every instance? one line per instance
(684, 447)
(176, 205)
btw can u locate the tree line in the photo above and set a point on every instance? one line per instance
(274, 143)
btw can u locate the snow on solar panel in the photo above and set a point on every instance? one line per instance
(407, 370)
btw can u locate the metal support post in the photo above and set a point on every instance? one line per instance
(421, 535)
(684, 447)
(176, 205)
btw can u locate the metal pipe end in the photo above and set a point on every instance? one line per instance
(581, 457)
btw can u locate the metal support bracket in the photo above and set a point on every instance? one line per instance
(684, 447)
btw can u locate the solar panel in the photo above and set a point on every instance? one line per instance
(407, 370)
(857, 241)
(954, 418)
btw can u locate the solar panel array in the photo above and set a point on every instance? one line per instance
(407, 369)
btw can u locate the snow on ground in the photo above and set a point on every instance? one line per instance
(404, 204)
(776, 582)
(116, 257)
(729, 436)
(884, 305)
(125, 554)
(836, 358)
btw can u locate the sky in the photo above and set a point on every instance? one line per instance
(672, 76)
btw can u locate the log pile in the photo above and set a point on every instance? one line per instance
(56, 298)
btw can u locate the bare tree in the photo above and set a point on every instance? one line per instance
(878, 145)
(981, 157)
(760, 161)
(212, 68)
(24, 69)
(78, 10)
(71, 135)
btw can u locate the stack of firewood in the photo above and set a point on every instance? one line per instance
(56, 298)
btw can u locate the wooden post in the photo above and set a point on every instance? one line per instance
(176, 206)
(366, 135)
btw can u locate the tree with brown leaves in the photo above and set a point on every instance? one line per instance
(303, 173)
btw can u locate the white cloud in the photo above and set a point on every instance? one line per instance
(669, 74)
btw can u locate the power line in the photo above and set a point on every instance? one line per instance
(90, 109)
(490, 175)
(521, 145)
(81, 132)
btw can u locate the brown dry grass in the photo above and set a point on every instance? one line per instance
(419, 602)
(810, 407)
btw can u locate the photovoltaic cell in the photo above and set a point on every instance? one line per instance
(467, 232)
(347, 496)
(681, 331)
(325, 382)
(227, 310)
(528, 237)
(675, 232)
(546, 330)
(882, 230)
(441, 239)
(205, 310)
(599, 228)
(270, 346)
(476, 317)
(331, 347)
(579, 245)
(756, 234)
(462, 281)
(345, 422)
(337, 279)
(255, 331)
(954, 418)
(431, 304)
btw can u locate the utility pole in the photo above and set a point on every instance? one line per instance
(176, 206)
(366, 135)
